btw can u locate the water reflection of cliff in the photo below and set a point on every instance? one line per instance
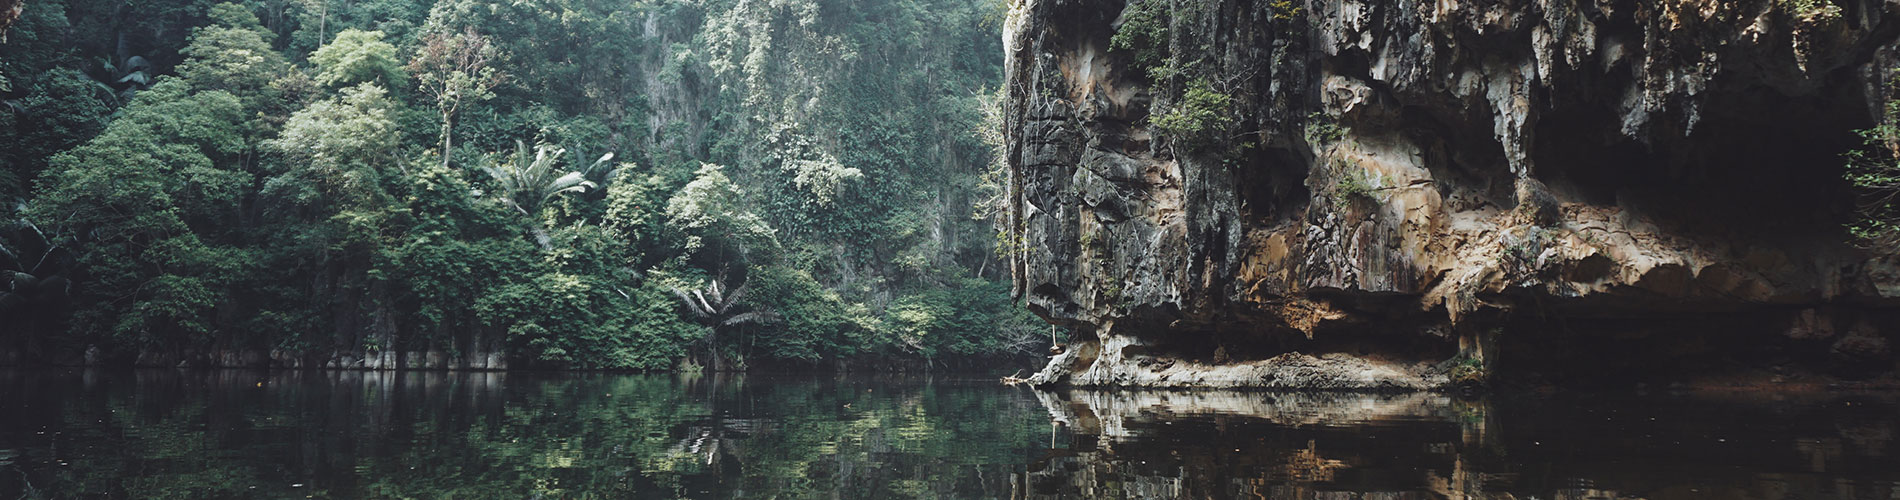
(1219, 444)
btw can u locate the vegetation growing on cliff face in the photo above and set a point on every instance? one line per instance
(1874, 170)
(1320, 130)
(1352, 182)
(338, 181)
(1811, 11)
(1143, 35)
(1202, 117)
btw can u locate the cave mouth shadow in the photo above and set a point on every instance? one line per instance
(1760, 166)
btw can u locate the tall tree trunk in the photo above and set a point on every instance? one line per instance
(121, 49)
(447, 120)
(323, 24)
(712, 346)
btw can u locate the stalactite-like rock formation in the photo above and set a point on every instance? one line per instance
(1368, 194)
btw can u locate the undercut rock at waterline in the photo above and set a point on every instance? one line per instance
(1413, 195)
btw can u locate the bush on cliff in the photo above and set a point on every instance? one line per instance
(1201, 118)
(1874, 170)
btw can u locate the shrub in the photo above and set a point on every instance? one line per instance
(1352, 182)
(1284, 10)
(1199, 119)
(1143, 34)
(1320, 130)
(1811, 11)
(1468, 372)
(1874, 171)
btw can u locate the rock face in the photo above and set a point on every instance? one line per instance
(1412, 194)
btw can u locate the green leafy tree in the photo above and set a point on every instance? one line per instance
(813, 323)
(636, 214)
(147, 201)
(273, 191)
(712, 213)
(330, 215)
(336, 149)
(563, 319)
(308, 24)
(358, 56)
(456, 250)
(971, 319)
(233, 55)
(455, 69)
(1143, 35)
(59, 110)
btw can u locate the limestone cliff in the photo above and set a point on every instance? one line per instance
(1403, 194)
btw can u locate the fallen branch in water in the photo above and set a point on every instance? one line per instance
(1013, 379)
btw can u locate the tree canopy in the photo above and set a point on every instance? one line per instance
(540, 183)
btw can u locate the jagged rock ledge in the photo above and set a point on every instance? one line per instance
(1357, 194)
(1290, 371)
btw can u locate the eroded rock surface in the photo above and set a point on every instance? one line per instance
(1405, 194)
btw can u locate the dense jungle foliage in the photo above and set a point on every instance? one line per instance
(574, 183)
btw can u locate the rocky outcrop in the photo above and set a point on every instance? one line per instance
(1289, 371)
(1362, 194)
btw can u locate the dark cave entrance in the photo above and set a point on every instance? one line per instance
(1759, 168)
(1271, 187)
(1382, 327)
(1761, 171)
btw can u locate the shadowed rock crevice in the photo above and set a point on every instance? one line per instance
(1409, 194)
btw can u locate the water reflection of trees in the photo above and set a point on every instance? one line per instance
(491, 435)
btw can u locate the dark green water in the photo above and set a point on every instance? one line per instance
(237, 434)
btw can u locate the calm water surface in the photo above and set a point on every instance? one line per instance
(238, 434)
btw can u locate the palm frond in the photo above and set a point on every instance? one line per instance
(687, 299)
(754, 317)
(527, 182)
(571, 182)
(600, 170)
(717, 291)
(739, 294)
(707, 306)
